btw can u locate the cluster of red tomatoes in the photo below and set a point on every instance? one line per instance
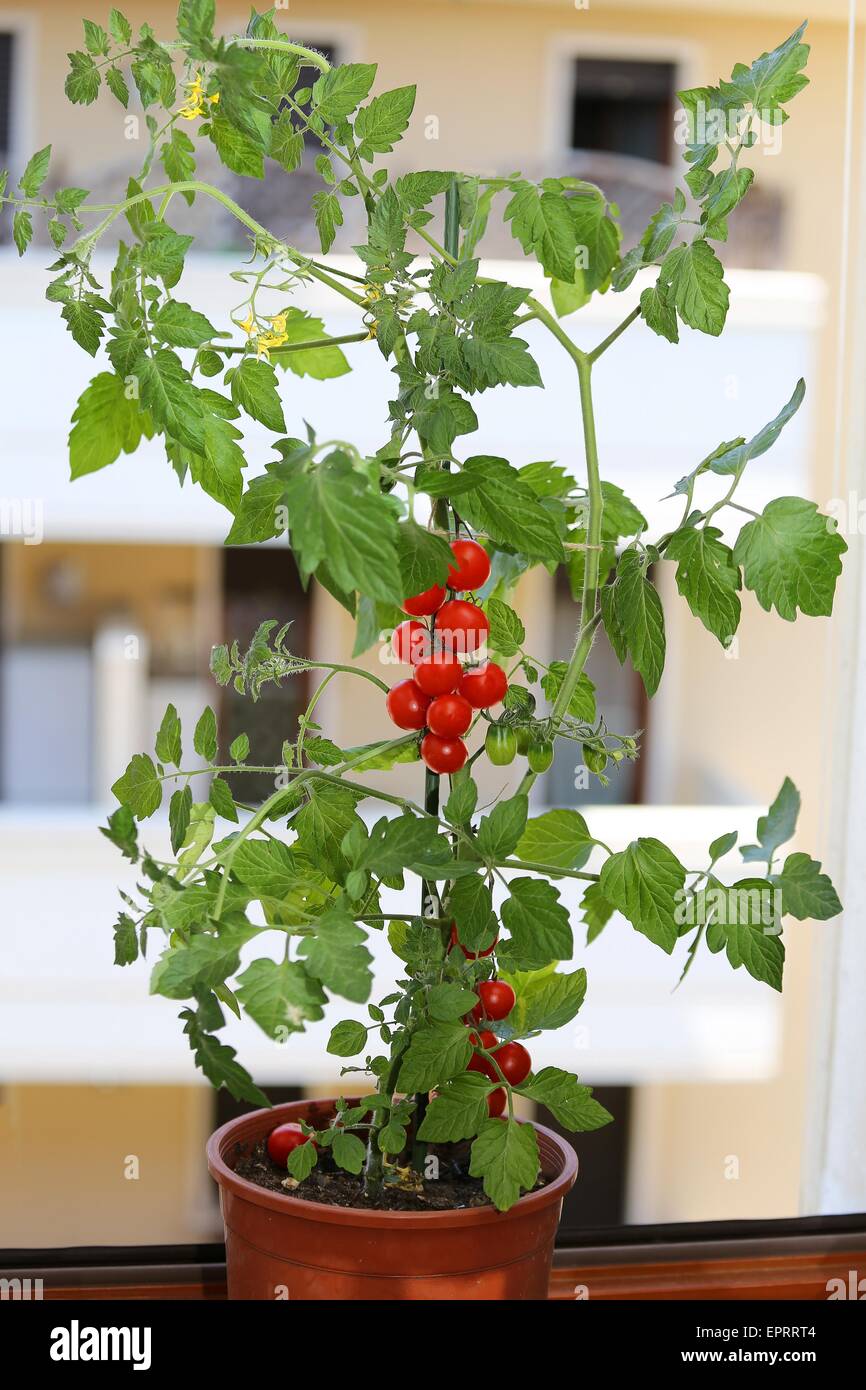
(441, 695)
(495, 1001)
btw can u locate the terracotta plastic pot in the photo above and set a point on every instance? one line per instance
(287, 1248)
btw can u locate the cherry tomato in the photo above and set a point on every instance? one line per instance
(462, 626)
(407, 705)
(283, 1139)
(495, 1000)
(411, 642)
(540, 755)
(470, 955)
(514, 1062)
(438, 675)
(500, 744)
(422, 605)
(472, 568)
(595, 758)
(484, 685)
(496, 1102)
(449, 715)
(524, 739)
(443, 754)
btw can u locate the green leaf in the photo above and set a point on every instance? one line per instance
(761, 952)
(237, 150)
(597, 912)
(266, 867)
(320, 363)
(302, 1160)
(693, 274)
(392, 1138)
(117, 85)
(773, 78)
(398, 844)
(558, 837)
(380, 125)
(659, 312)
(471, 906)
(807, 894)
(435, 1054)
(221, 799)
(463, 798)
(171, 398)
(347, 1038)
(537, 922)
(121, 831)
(777, 826)
(324, 752)
(425, 557)
(168, 744)
(82, 80)
(198, 837)
(570, 1103)
(22, 230)
(448, 1002)
(338, 92)
(84, 323)
(104, 424)
(542, 224)
(504, 361)
(545, 999)
(644, 882)
(181, 326)
(162, 255)
(582, 703)
(492, 497)
(707, 578)
(328, 216)
(322, 825)
(35, 173)
(640, 619)
(120, 27)
(722, 845)
(499, 832)
(336, 517)
(125, 941)
(201, 964)
(457, 1111)
(287, 144)
(139, 788)
(337, 956)
(239, 748)
(791, 558)
(219, 1064)
(349, 1153)
(507, 633)
(731, 459)
(204, 740)
(505, 1155)
(254, 388)
(179, 810)
(280, 996)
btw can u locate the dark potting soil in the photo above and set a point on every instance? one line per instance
(452, 1190)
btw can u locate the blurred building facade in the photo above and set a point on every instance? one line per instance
(114, 589)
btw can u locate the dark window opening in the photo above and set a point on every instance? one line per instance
(260, 584)
(598, 1198)
(7, 43)
(623, 107)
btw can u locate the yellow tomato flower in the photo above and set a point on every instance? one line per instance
(248, 324)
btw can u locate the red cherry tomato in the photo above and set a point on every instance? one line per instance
(411, 642)
(470, 955)
(462, 626)
(449, 715)
(472, 568)
(283, 1139)
(407, 705)
(443, 754)
(484, 686)
(438, 675)
(514, 1062)
(422, 605)
(496, 1102)
(495, 1000)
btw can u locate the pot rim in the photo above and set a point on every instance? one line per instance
(247, 1127)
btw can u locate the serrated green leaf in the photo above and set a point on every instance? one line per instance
(537, 922)
(559, 837)
(791, 558)
(337, 956)
(457, 1111)
(168, 743)
(505, 1156)
(640, 619)
(435, 1054)
(139, 788)
(707, 578)
(570, 1103)
(807, 894)
(280, 996)
(644, 882)
(347, 1038)
(104, 424)
(179, 810)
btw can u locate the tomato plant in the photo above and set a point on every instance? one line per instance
(425, 516)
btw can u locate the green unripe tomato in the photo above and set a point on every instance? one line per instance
(524, 738)
(540, 755)
(595, 758)
(500, 745)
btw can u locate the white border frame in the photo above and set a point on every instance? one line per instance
(567, 46)
(22, 108)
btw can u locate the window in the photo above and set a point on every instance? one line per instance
(7, 46)
(623, 106)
